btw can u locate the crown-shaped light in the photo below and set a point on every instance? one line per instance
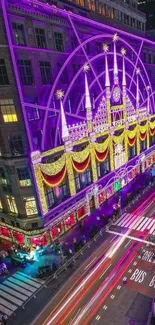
(123, 51)
(138, 71)
(105, 47)
(115, 37)
(60, 94)
(86, 67)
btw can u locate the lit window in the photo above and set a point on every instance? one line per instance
(24, 177)
(11, 204)
(8, 110)
(30, 205)
(1, 207)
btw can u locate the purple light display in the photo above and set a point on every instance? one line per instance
(43, 131)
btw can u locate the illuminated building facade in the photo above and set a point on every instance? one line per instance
(77, 109)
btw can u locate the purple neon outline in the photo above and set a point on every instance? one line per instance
(67, 61)
(138, 55)
(51, 110)
(57, 79)
(91, 22)
(103, 73)
(85, 53)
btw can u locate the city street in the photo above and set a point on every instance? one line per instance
(112, 271)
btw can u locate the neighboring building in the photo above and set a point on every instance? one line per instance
(148, 7)
(53, 151)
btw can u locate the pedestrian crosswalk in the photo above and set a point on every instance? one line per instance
(142, 223)
(15, 290)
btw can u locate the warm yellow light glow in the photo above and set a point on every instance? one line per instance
(10, 118)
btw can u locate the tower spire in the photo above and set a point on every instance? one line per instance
(123, 52)
(137, 92)
(64, 128)
(115, 39)
(107, 79)
(148, 100)
(88, 105)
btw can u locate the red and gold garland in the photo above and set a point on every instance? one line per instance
(132, 141)
(142, 136)
(101, 156)
(152, 132)
(54, 180)
(80, 167)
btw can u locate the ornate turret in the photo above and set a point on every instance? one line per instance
(107, 83)
(123, 52)
(148, 100)
(115, 39)
(88, 105)
(137, 92)
(64, 128)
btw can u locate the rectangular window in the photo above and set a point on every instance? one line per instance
(77, 182)
(40, 38)
(4, 178)
(11, 204)
(16, 145)
(64, 190)
(59, 41)
(30, 205)
(25, 70)
(50, 199)
(24, 177)
(45, 70)
(18, 33)
(1, 207)
(4, 81)
(8, 110)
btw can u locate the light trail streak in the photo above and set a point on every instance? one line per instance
(110, 253)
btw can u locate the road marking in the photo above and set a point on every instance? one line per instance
(8, 304)
(11, 298)
(15, 280)
(13, 292)
(16, 287)
(98, 317)
(90, 263)
(31, 278)
(105, 271)
(5, 310)
(128, 243)
(112, 239)
(27, 281)
(152, 229)
(105, 307)
(131, 237)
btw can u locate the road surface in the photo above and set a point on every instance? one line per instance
(87, 296)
